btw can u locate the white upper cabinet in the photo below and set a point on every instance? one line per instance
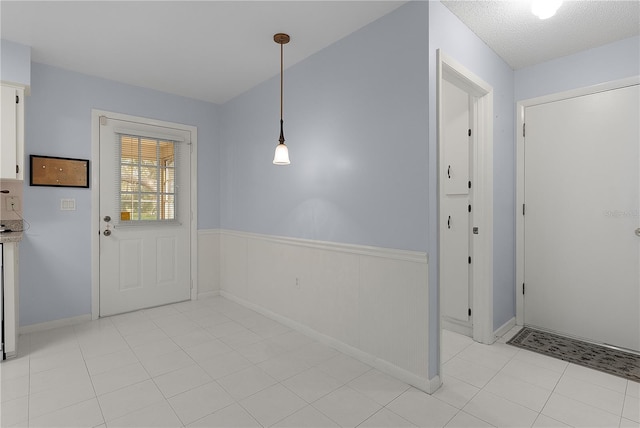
(11, 132)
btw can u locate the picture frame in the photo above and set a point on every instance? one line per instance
(58, 172)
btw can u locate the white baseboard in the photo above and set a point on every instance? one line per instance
(49, 325)
(207, 294)
(456, 327)
(434, 384)
(504, 328)
(427, 385)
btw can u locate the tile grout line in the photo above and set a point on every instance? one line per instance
(84, 360)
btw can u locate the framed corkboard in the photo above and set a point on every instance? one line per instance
(59, 172)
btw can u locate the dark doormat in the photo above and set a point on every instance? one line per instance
(597, 357)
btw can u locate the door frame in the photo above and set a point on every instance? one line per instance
(520, 137)
(481, 198)
(95, 199)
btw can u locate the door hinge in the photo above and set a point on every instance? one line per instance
(523, 127)
(469, 184)
(523, 210)
(469, 311)
(469, 207)
(469, 259)
(523, 288)
(17, 169)
(469, 132)
(17, 99)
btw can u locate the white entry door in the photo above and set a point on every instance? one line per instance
(455, 215)
(145, 215)
(582, 204)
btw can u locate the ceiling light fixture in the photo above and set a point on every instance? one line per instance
(281, 156)
(544, 9)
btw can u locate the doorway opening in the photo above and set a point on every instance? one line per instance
(465, 199)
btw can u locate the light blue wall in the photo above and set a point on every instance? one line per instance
(55, 254)
(357, 127)
(602, 64)
(15, 63)
(451, 36)
(356, 124)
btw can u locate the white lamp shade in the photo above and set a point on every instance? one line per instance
(282, 155)
(544, 9)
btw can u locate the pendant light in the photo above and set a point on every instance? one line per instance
(282, 153)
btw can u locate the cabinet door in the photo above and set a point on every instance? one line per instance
(11, 132)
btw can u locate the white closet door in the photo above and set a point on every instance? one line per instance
(582, 185)
(454, 210)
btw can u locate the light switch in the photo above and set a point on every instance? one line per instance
(67, 204)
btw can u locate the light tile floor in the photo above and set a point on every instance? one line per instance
(214, 363)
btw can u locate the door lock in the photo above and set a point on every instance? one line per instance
(107, 218)
(107, 232)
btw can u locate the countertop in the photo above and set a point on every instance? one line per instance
(6, 237)
(15, 225)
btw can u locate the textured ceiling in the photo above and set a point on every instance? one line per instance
(207, 50)
(215, 50)
(521, 39)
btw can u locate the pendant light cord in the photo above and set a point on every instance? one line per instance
(281, 77)
(281, 139)
(281, 39)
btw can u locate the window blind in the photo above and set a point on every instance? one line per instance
(147, 179)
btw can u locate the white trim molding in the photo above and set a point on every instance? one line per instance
(368, 302)
(406, 255)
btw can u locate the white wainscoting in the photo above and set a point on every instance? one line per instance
(208, 262)
(371, 303)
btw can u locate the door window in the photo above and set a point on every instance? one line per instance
(148, 188)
